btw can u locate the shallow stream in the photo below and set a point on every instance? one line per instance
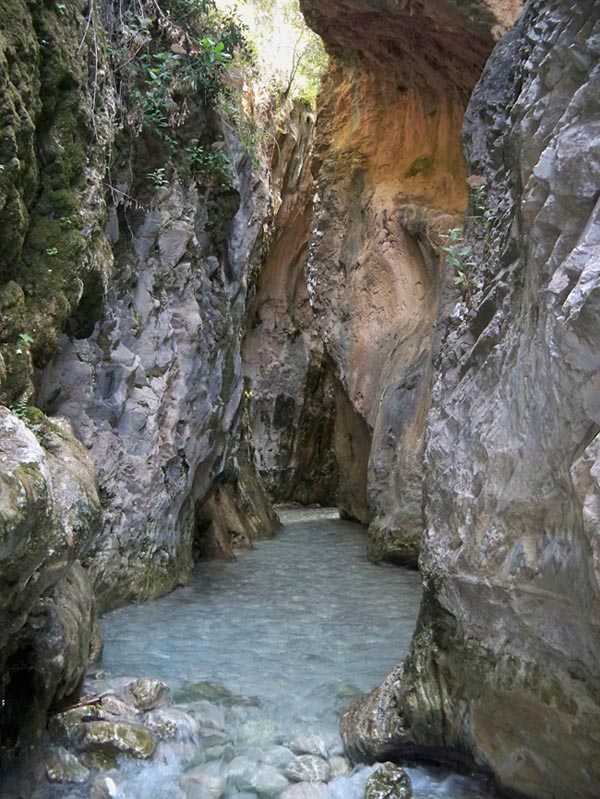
(266, 652)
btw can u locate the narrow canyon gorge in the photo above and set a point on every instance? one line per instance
(229, 302)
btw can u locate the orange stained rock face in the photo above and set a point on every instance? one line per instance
(505, 12)
(405, 142)
(391, 181)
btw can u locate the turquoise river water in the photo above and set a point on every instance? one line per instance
(294, 630)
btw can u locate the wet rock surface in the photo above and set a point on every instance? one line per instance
(118, 737)
(63, 766)
(308, 768)
(504, 662)
(133, 719)
(389, 781)
(146, 693)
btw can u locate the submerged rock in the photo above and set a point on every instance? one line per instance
(308, 744)
(306, 790)
(339, 766)
(202, 783)
(211, 722)
(259, 778)
(194, 691)
(147, 693)
(172, 722)
(388, 782)
(212, 692)
(278, 756)
(63, 766)
(308, 768)
(118, 737)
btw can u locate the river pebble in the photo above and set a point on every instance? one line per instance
(308, 744)
(146, 693)
(63, 766)
(339, 765)
(202, 783)
(278, 756)
(306, 790)
(173, 722)
(258, 778)
(308, 768)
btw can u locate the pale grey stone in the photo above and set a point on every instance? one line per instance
(308, 768)
(147, 693)
(63, 766)
(259, 778)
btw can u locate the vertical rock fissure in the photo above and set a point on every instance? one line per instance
(292, 397)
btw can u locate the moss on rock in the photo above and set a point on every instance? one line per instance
(52, 119)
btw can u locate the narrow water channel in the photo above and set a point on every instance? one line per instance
(267, 651)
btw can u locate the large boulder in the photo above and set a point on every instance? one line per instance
(49, 512)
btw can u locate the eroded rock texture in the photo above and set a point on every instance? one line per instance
(155, 389)
(237, 511)
(391, 180)
(504, 664)
(49, 512)
(292, 404)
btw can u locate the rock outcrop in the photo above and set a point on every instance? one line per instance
(134, 218)
(391, 181)
(503, 668)
(237, 512)
(49, 513)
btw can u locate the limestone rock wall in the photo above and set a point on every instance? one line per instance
(390, 181)
(154, 390)
(124, 279)
(503, 667)
(292, 402)
(54, 135)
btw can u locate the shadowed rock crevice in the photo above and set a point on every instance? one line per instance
(292, 393)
